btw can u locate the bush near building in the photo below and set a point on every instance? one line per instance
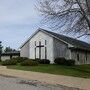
(20, 59)
(29, 63)
(25, 61)
(60, 61)
(33, 62)
(9, 62)
(44, 61)
(70, 62)
(63, 61)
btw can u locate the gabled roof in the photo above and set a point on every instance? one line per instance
(76, 43)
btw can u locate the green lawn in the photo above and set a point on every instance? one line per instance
(76, 71)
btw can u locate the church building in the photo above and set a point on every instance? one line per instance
(45, 44)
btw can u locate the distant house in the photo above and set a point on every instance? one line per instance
(45, 44)
(9, 55)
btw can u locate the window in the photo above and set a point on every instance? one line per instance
(35, 49)
(35, 43)
(39, 43)
(86, 56)
(45, 42)
(35, 52)
(39, 49)
(78, 56)
(45, 52)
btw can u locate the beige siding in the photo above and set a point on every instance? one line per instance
(61, 49)
(88, 58)
(25, 50)
(82, 57)
(74, 55)
(3, 58)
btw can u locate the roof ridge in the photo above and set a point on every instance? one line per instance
(75, 42)
(66, 36)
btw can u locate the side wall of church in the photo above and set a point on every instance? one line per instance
(46, 41)
(81, 57)
(61, 49)
(24, 52)
(88, 59)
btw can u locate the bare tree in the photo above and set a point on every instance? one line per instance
(67, 15)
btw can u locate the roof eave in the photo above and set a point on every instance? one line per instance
(29, 38)
(42, 30)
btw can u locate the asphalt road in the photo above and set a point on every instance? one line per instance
(13, 83)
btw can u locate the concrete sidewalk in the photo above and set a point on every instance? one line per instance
(48, 78)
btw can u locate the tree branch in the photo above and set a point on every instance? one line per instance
(83, 35)
(84, 14)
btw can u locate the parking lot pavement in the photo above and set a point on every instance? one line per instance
(13, 83)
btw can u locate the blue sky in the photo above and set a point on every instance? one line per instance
(18, 20)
